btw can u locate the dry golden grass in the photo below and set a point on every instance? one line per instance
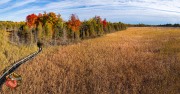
(134, 61)
(11, 52)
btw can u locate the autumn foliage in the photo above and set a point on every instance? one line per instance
(104, 23)
(31, 20)
(74, 23)
(51, 28)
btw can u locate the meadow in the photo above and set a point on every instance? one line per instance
(139, 60)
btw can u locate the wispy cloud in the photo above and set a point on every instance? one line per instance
(4, 1)
(17, 4)
(129, 11)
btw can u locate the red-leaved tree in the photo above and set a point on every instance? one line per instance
(104, 23)
(31, 20)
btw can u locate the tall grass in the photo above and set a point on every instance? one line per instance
(10, 52)
(134, 61)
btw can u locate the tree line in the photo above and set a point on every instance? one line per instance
(50, 28)
(147, 25)
(169, 25)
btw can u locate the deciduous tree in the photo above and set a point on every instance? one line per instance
(31, 20)
(74, 24)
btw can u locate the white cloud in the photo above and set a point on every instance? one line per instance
(114, 10)
(4, 1)
(17, 4)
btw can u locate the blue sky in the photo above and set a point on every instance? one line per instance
(128, 11)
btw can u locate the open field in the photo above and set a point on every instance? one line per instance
(134, 61)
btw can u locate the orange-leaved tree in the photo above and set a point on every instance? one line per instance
(74, 24)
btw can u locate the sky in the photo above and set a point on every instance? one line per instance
(127, 11)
